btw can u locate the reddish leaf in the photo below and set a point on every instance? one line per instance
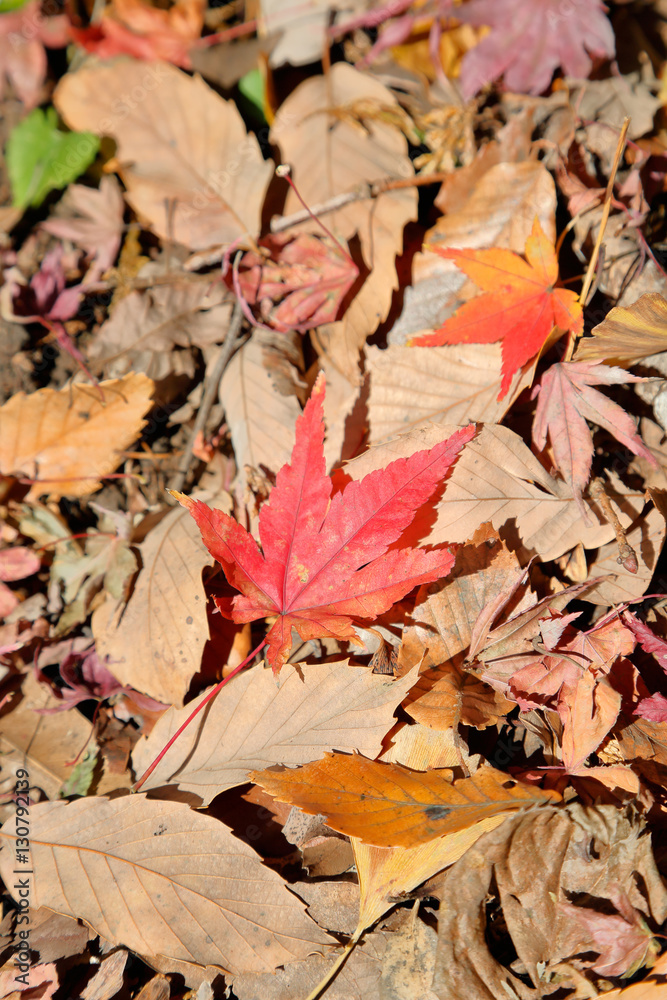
(325, 560)
(654, 708)
(529, 39)
(300, 285)
(566, 400)
(18, 562)
(519, 307)
(647, 639)
(93, 219)
(141, 30)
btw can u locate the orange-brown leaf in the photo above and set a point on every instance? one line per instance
(393, 806)
(519, 306)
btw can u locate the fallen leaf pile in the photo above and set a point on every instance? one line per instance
(333, 500)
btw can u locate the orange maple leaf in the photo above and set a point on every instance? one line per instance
(519, 306)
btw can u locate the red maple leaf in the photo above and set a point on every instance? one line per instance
(529, 39)
(520, 305)
(326, 560)
(566, 400)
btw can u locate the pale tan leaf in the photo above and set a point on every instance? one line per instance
(108, 980)
(628, 333)
(332, 133)
(498, 479)
(254, 723)
(155, 642)
(183, 314)
(199, 179)
(260, 418)
(446, 385)
(162, 880)
(71, 438)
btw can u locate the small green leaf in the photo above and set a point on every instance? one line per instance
(81, 778)
(252, 87)
(41, 158)
(7, 5)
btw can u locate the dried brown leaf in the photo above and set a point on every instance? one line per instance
(71, 438)
(628, 333)
(163, 880)
(155, 642)
(199, 179)
(254, 723)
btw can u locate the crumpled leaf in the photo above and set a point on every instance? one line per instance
(15, 564)
(388, 805)
(69, 439)
(628, 333)
(519, 306)
(97, 859)
(565, 401)
(107, 563)
(142, 30)
(92, 218)
(529, 40)
(511, 884)
(312, 543)
(298, 283)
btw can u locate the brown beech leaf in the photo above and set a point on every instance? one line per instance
(628, 333)
(162, 880)
(498, 479)
(446, 385)
(255, 723)
(261, 418)
(155, 642)
(206, 167)
(338, 131)
(71, 438)
(388, 805)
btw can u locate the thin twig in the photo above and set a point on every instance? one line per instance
(363, 193)
(606, 208)
(211, 385)
(627, 556)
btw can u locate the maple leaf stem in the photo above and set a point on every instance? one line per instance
(284, 171)
(209, 697)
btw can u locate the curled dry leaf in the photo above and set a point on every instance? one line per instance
(69, 439)
(254, 724)
(206, 166)
(100, 860)
(628, 333)
(392, 806)
(527, 867)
